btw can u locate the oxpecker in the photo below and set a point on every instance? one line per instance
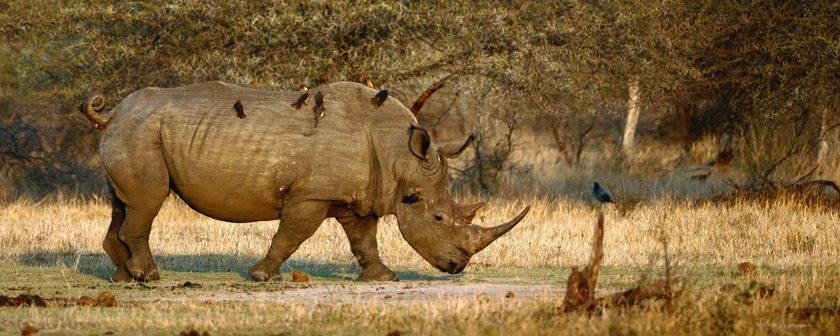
(318, 109)
(240, 112)
(301, 101)
(368, 82)
(379, 98)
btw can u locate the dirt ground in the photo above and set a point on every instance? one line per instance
(398, 292)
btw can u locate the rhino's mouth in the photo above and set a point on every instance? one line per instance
(452, 265)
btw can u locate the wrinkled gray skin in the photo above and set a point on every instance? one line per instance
(359, 164)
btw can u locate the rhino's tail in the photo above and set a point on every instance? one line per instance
(92, 109)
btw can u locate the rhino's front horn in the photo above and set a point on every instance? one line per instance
(480, 237)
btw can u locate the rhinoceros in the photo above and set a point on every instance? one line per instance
(358, 165)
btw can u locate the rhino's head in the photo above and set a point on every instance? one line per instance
(430, 221)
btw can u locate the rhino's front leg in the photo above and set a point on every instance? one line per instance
(298, 222)
(362, 235)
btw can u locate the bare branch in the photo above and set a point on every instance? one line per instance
(807, 176)
(447, 110)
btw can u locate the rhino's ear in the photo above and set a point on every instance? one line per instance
(453, 148)
(418, 142)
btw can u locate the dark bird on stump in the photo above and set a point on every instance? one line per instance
(301, 101)
(379, 98)
(240, 112)
(303, 87)
(602, 195)
(368, 82)
(318, 109)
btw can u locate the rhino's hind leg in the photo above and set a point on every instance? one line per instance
(127, 240)
(112, 245)
(135, 233)
(299, 221)
(143, 189)
(362, 235)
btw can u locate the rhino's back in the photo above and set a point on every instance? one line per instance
(242, 169)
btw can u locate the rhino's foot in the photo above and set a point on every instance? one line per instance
(378, 272)
(142, 269)
(121, 275)
(152, 275)
(262, 271)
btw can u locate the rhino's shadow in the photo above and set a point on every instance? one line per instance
(99, 265)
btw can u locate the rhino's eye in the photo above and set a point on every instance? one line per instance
(438, 218)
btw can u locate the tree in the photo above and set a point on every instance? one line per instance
(757, 70)
(633, 108)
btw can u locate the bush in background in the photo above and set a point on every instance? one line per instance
(760, 77)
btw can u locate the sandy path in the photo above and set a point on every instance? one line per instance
(401, 292)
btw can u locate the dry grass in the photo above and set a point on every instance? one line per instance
(554, 234)
(796, 249)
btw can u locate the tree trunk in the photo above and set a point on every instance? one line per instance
(822, 146)
(632, 115)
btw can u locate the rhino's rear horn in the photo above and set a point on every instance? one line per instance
(466, 212)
